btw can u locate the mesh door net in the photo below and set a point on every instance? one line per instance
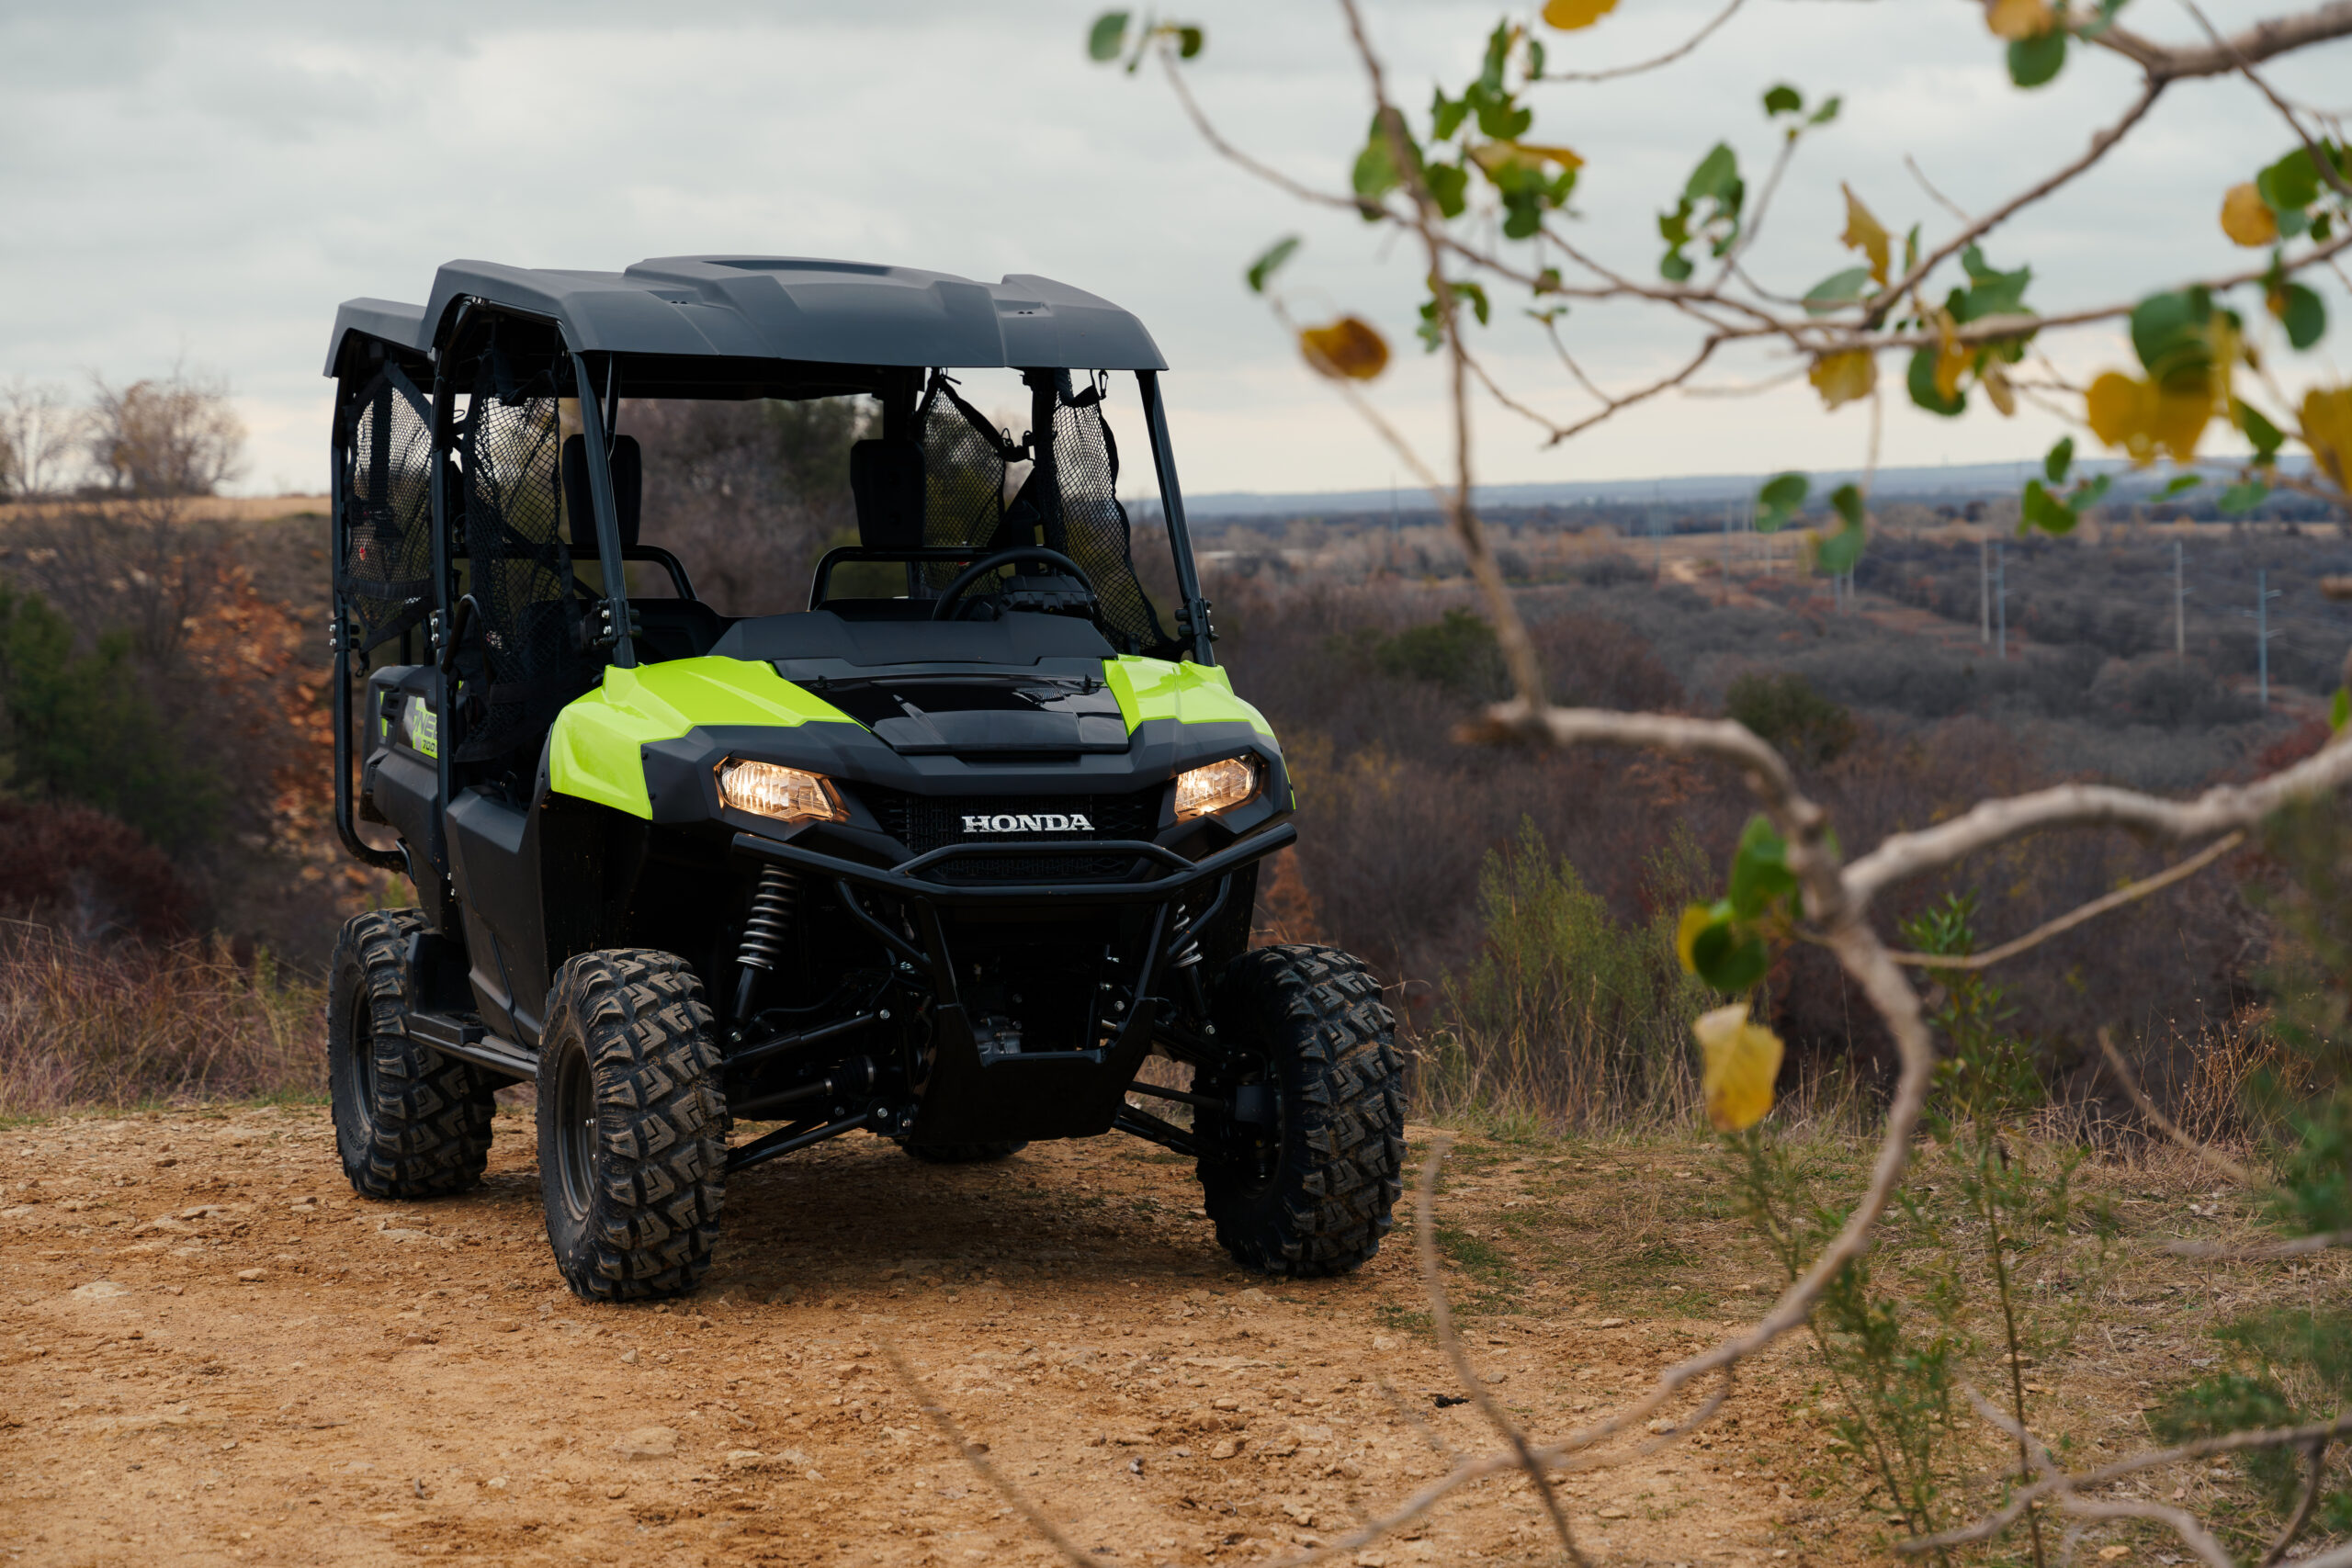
(521, 574)
(1093, 526)
(387, 583)
(963, 466)
(1076, 511)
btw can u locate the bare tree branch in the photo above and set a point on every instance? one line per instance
(2314, 1477)
(1442, 1325)
(2165, 1124)
(978, 1459)
(2102, 142)
(2072, 917)
(1668, 58)
(2321, 163)
(2273, 35)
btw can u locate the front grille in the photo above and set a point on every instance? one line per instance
(927, 822)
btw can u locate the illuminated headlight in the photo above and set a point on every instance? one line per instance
(788, 795)
(1215, 787)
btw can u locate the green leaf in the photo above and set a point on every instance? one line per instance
(2034, 61)
(2172, 334)
(2304, 317)
(2289, 184)
(1780, 501)
(1759, 870)
(2061, 458)
(1271, 262)
(1446, 115)
(1847, 502)
(1534, 58)
(1107, 37)
(1911, 249)
(2341, 708)
(1728, 960)
(1838, 552)
(1920, 380)
(2090, 493)
(1826, 113)
(2244, 497)
(2181, 482)
(1189, 40)
(1675, 267)
(1838, 288)
(1990, 292)
(1490, 71)
(2040, 509)
(2266, 436)
(1717, 177)
(1783, 99)
(1449, 187)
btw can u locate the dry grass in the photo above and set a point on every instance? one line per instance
(130, 1025)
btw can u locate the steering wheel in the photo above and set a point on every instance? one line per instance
(943, 607)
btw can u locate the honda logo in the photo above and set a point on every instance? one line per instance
(1041, 822)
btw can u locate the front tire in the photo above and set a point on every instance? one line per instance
(1313, 1193)
(633, 1125)
(409, 1121)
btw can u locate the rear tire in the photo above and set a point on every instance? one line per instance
(1314, 1193)
(632, 1126)
(965, 1154)
(409, 1121)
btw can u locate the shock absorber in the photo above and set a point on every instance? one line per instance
(764, 934)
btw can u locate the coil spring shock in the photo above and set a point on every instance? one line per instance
(773, 902)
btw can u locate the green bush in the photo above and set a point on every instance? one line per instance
(1786, 711)
(79, 727)
(1568, 1016)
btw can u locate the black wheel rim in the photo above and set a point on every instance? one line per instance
(575, 1131)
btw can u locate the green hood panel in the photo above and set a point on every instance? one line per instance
(1189, 694)
(593, 753)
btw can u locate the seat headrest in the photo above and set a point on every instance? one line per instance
(886, 480)
(629, 492)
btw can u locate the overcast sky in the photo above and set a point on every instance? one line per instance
(202, 181)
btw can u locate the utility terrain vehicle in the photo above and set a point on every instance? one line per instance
(944, 862)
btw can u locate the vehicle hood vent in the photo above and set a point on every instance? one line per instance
(976, 715)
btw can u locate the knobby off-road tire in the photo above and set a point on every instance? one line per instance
(409, 1121)
(632, 1126)
(965, 1154)
(1312, 1195)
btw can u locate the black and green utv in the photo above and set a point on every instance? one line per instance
(943, 853)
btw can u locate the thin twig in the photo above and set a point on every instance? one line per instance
(1929, 187)
(1448, 1341)
(2068, 921)
(978, 1460)
(2314, 1477)
(1668, 58)
(2319, 157)
(2165, 1125)
(1415, 1419)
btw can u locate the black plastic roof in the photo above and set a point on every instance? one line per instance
(782, 308)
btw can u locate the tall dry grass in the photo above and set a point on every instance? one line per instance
(127, 1024)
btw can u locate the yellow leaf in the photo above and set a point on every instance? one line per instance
(1867, 234)
(1995, 382)
(2015, 19)
(1952, 360)
(1349, 347)
(2327, 431)
(1844, 378)
(2246, 218)
(2143, 419)
(1569, 15)
(1739, 1061)
(1567, 157)
(1696, 917)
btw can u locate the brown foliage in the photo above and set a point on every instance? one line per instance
(87, 875)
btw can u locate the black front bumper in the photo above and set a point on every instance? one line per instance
(972, 1095)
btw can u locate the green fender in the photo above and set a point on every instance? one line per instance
(1189, 694)
(593, 753)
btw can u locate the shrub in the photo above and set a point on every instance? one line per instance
(1787, 712)
(88, 874)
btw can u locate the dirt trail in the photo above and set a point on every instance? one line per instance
(210, 1351)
